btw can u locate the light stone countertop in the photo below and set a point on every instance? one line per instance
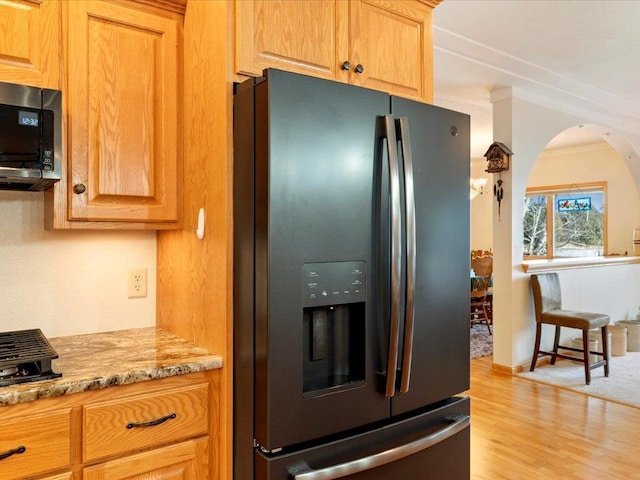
(100, 360)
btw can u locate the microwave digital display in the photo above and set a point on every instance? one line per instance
(29, 119)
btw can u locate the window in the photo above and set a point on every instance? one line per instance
(565, 221)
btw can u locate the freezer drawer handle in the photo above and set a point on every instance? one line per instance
(460, 422)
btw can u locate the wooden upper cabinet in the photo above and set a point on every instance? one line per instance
(380, 44)
(305, 36)
(123, 74)
(30, 43)
(393, 42)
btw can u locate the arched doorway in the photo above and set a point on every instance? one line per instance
(574, 166)
(582, 146)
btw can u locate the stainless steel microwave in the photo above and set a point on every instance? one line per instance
(30, 137)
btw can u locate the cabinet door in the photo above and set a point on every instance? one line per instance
(184, 461)
(34, 444)
(305, 36)
(393, 42)
(123, 114)
(30, 43)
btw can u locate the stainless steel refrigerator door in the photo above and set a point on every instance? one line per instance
(432, 445)
(440, 158)
(315, 144)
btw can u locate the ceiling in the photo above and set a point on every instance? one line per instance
(581, 57)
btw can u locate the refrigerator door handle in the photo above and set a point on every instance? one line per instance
(396, 253)
(459, 423)
(410, 212)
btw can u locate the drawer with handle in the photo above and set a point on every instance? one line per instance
(35, 444)
(120, 426)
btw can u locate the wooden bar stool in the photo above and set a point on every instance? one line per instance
(547, 301)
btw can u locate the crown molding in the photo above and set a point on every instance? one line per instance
(539, 85)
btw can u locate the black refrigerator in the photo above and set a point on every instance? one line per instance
(351, 284)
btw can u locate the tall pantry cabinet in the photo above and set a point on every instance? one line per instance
(225, 42)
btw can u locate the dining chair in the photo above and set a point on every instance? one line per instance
(483, 267)
(481, 253)
(479, 305)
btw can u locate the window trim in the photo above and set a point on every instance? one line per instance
(548, 191)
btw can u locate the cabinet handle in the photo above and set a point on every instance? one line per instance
(359, 68)
(79, 188)
(346, 65)
(151, 423)
(20, 449)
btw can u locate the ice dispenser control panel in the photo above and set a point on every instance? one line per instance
(333, 283)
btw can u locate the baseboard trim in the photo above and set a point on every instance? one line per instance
(504, 369)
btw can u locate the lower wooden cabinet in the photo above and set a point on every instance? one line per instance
(184, 461)
(35, 444)
(119, 426)
(59, 476)
(158, 429)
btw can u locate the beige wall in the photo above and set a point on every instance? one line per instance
(595, 163)
(482, 209)
(580, 164)
(69, 282)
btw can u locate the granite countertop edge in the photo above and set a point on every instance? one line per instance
(160, 355)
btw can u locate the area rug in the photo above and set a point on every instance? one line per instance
(481, 342)
(621, 386)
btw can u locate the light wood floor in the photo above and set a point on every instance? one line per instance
(525, 430)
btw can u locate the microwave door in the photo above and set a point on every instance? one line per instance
(21, 138)
(30, 137)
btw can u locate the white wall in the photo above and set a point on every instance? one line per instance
(612, 290)
(69, 282)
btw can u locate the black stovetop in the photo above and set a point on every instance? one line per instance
(25, 356)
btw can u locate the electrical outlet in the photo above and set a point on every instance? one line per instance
(137, 283)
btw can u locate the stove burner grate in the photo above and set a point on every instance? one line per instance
(25, 356)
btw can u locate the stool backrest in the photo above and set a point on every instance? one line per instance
(546, 293)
